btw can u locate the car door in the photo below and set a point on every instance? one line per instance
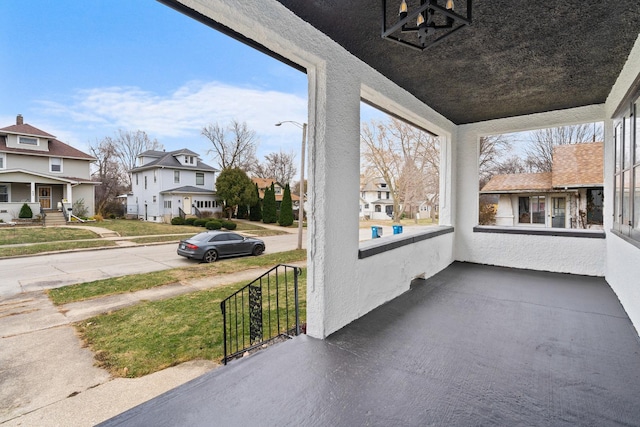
(237, 244)
(220, 243)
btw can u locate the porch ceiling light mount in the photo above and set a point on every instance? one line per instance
(433, 22)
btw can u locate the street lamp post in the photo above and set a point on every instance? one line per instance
(303, 126)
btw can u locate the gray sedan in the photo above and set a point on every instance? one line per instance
(211, 245)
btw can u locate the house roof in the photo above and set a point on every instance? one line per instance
(169, 160)
(519, 57)
(66, 179)
(27, 130)
(574, 165)
(264, 183)
(189, 189)
(56, 148)
(518, 182)
(579, 165)
(373, 185)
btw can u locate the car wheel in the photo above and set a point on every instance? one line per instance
(257, 250)
(210, 256)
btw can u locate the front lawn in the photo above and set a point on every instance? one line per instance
(15, 235)
(133, 227)
(151, 336)
(53, 247)
(136, 282)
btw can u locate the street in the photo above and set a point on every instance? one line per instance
(36, 273)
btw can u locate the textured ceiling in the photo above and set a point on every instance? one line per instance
(519, 56)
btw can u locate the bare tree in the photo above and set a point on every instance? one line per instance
(540, 152)
(490, 155)
(406, 157)
(109, 172)
(279, 166)
(234, 145)
(128, 145)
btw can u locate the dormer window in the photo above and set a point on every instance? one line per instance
(27, 141)
(188, 160)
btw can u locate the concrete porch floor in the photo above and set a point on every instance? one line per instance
(473, 345)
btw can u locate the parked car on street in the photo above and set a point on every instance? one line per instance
(211, 245)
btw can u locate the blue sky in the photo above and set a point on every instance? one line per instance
(82, 69)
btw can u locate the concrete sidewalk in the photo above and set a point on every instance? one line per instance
(48, 378)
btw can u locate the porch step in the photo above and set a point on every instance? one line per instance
(54, 218)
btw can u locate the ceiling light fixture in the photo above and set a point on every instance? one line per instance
(433, 22)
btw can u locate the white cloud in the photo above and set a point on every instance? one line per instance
(176, 118)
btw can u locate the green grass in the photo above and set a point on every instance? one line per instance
(159, 239)
(15, 235)
(155, 335)
(53, 247)
(136, 282)
(132, 227)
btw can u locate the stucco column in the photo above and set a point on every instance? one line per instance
(33, 192)
(334, 154)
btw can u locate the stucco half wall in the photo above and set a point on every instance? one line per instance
(562, 254)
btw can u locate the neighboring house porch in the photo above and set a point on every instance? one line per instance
(570, 196)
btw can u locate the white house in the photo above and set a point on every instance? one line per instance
(376, 200)
(37, 169)
(169, 184)
(570, 196)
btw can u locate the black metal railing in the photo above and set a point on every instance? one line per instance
(263, 310)
(181, 213)
(197, 212)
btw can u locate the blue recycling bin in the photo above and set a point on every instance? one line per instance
(376, 231)
(397, 229)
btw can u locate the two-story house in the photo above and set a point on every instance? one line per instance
(169, 184)
(376, 200)
(37, 169)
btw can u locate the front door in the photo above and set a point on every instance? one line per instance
(558, 213)
(44, 197)
(186, 205)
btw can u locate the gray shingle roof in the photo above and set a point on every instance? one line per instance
(169, 160)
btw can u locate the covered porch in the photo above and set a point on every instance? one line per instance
(473, 345)
(526, 327)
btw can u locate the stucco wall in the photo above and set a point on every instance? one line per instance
(340, 287)
(549, 253)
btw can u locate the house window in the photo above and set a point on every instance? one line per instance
(155, 176)
(145, 182)
(176, 177)
(2, 161)
(383, 185)
(136, 179)
(199, 178)
(167, 204)
(388, 193)
(4, 193)
(531, 210)
(27, 141)
(155, 199)
(55, 164)
(366, 205)
(626, 202)
(595, 203)
(277, 190)
(378, 208)
(379, 194)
